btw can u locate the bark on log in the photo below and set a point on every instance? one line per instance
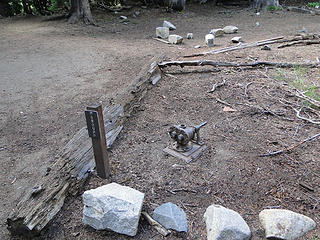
(233, 64)
(35, 211)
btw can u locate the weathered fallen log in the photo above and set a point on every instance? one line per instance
(233, 64)
(35, 211)
(304, 10)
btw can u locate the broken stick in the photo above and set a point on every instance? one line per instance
(289, 149)
(157, 226)
(217, 85)
(301, 42)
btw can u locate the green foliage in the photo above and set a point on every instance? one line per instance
(313, 4)
(273, 8)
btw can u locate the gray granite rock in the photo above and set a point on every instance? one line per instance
(175, 39)
(236, 39)
(285, 224)
(209, 40)
(225, 224)
(113, 207)
(169, 25)
(162, 32)
(217, 32)
(266, 48)
(189, 35)
(171, 216)
(230, 29)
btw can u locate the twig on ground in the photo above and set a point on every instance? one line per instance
(309, 99)
(246, 89)
(223, 102)
(290, 148)
(161, 40)
(304, 118)
(217, 85)
(157, 226)
(183, 190)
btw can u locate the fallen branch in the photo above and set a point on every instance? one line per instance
(223, 102)
(289, 149)
(300, 42)
(217, 85)
(233, 64)
(242, 46)
(304, 118)
(157, 226)
(309, 99)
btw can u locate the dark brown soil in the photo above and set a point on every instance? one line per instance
(230, 173)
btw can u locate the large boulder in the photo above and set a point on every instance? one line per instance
(209, 38)
(113, 207)
(230, 29)
(285, 224)
(169, 25)
(171, 216)
(175, 39)
(225, 224)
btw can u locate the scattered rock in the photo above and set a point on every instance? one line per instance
(123, 17)
(257, 24)
(230, 29)
(285, 224)
(162, 32)
(137, 13)
(217, 32)
(225, 224)
(189, 35)
(304, 30)
(266, 48)
(209, 40)
(197, 46)
(171, 216)
(175, 39)
(113, 207)
(236, 39)
(169, 25)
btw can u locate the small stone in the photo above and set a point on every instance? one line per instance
(236, 39)
(217, 32)
(257, 24)
(175, 39)
(171, 216)
(285, 224)
(113, 207)
(189, 35)
(169, 25)
(162, 32)
(266, 48)
(123, 17)
(137, 13)
(209, 40)
(225, 224)
(230, 29)
(197, 46)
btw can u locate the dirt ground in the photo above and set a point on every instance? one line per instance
(50, 71)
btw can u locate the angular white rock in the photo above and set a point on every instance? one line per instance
(285, 224)
(169, 25)
(113, 207)
(236, 39)
(209, 40)
(175, 39)
(225, 224)
(217, 32)
(230, 29)
(162, 32)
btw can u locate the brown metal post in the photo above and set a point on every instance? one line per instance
(99, 144)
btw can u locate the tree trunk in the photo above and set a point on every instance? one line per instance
(80, 10)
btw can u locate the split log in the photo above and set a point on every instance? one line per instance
(35, 211)
(233, 64)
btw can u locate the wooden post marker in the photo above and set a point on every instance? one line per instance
(95, 125)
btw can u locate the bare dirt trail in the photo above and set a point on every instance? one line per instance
(49, 72)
